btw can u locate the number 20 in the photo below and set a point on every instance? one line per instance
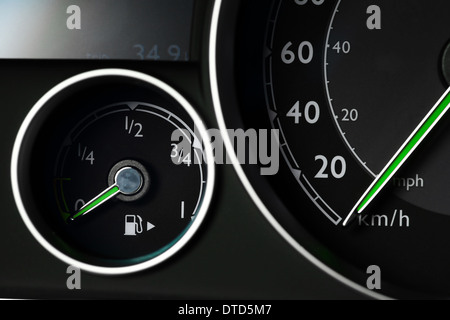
(337, 174)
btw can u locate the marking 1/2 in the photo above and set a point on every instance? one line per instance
(130, 125)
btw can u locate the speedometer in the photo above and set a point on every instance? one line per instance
(357, 92)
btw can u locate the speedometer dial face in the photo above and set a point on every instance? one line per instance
(346, 84)
(345, 96)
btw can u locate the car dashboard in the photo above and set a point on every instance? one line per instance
(212, 150)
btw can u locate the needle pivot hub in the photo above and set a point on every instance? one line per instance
(129, 180)
(132, 179)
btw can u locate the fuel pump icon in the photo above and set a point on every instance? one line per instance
(133, 225)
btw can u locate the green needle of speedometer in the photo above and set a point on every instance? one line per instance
(405, 151)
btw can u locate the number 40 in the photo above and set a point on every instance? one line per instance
(311, 112)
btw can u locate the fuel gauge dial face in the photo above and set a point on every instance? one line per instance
(111, 173)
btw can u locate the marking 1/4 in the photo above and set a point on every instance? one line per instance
(85, 155)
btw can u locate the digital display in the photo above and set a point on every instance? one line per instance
(100, 29)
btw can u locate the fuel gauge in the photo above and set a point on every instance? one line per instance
(112, 171)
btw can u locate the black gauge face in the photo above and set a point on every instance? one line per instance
(144, 221)
(347, 95)
(388, 96)
(346, 83)
(129, 181)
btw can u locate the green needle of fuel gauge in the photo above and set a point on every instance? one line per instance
(97, 201)
(127, 181)
(405, 151)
